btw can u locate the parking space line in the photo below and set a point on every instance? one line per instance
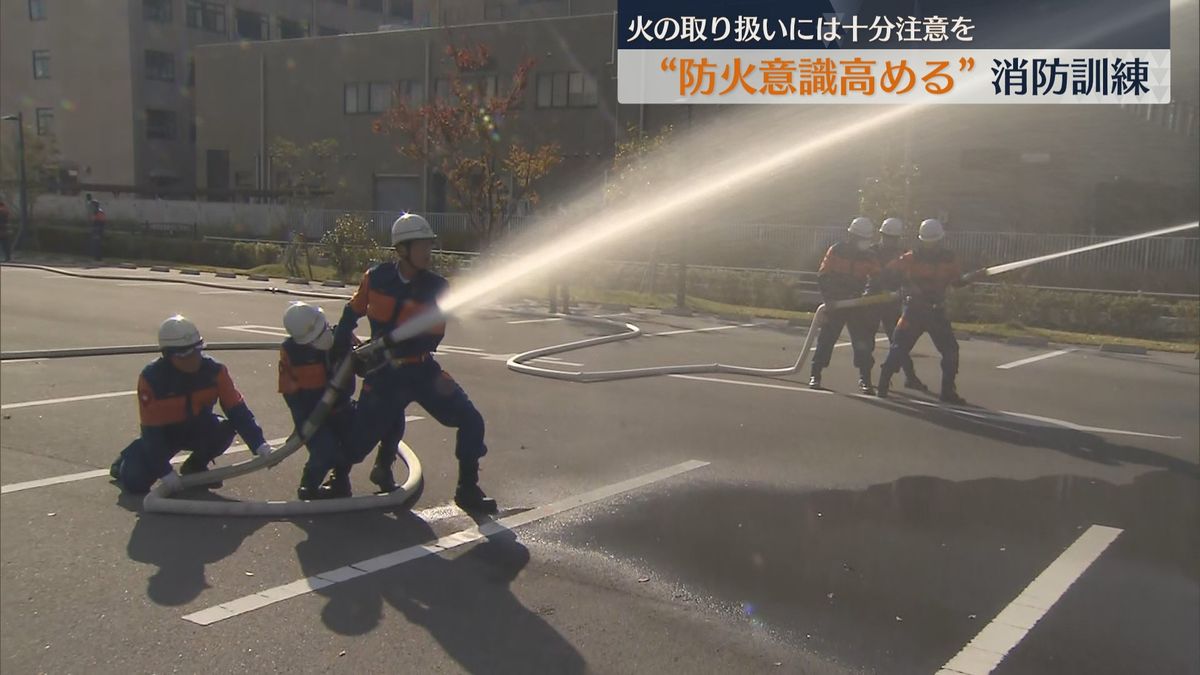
(1013, 623)
(249, 603)
(1035, 359)
(99, 473)
(763, 385)
(522, 321)
(69, 399)
(701, 330)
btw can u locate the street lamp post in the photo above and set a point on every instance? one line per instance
(19, 118)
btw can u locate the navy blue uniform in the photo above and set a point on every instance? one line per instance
(176, 413)
(843, 275)
(889, 314)
(924, 275)
(412, 374)
(304, 372)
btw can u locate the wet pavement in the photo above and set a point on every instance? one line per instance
(896, 578)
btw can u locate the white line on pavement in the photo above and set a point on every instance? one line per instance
(516, 323)
(1083, 427)
(763, 385)
(69, 399)
(1035, 359)
(98, 473)
(17, 362)
(700, 330)
(225, 292)
(984, 653)
(271, 596)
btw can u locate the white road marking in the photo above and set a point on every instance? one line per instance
(134, 284)
(225, 292)
(763, 385)
(17, 362)
(984, 653)
(1005, 415)
(847, 344)
(271, 596)
(701, 330)
(99, 473)
(516, 323)
(1082, 427)
(69, 399)
(1035, 359)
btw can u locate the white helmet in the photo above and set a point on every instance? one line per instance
(306, 325)
(892, 227)
(931, 230)
(862, 227)
(178, 334)
(411, 227)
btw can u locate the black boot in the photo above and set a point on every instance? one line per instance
(338, 485)
(950, 395)
(469, 497)
(911, 381)
(193, 464)
(381, 473)
(950, 392)
(864, 384)
(814, 382)
(310, 485)
(114, 471)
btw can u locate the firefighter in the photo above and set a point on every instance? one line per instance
(176, 395)
(305, 368)
(843, 275)
(924, 274)
(887, 249)
(389, 295)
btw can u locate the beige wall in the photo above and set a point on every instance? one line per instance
(98, 87)
(90, 87)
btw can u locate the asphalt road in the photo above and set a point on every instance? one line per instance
(815, 532)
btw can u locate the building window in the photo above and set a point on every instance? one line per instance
(290, 30)
(157, 10)
(401, 9)
(160, 124)
(252, 25)
(207, 15)
(371, 5)
(41, 64)
(566, 90)
(326, 31)
(160, 66)
(411, 92)
(368, 97)
(45, 121)
(37, 10)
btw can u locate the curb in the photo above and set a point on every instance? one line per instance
(158, 268)
(1123, 349)
(1027, 341)
(259, 277)
(226, 275)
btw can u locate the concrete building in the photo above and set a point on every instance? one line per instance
(114, 80)
(1025, 168)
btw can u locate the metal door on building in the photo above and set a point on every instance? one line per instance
(397, 193)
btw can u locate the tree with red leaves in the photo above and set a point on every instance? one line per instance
(467, 137)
